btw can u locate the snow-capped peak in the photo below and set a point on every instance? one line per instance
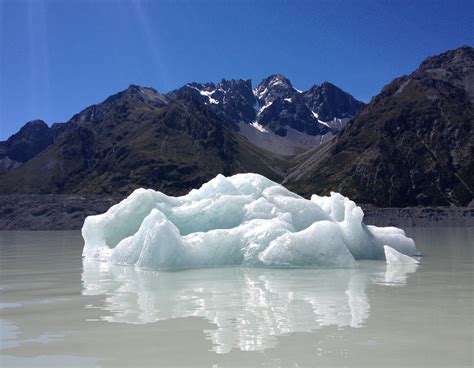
(274, 87)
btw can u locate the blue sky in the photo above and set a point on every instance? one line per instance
(57, 57)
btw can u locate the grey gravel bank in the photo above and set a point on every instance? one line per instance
(67, 212)
(50, 211)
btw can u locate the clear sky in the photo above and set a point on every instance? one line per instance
(57, 57)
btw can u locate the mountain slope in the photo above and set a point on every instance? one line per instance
(412, 145)
(127, 142)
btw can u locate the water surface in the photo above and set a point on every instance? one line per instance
(57, 310)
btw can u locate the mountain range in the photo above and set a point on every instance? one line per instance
(411, 145)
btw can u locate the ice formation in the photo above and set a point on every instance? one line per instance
(245, 219)
(396, 258)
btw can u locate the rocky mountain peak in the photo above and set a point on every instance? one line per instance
(460, 57)
(134, 94)
(30, 129)
(146, 95)
(31, 139)
(455, 67)
(327, 85)
(34, 124)
(276, 86)
(329, 102)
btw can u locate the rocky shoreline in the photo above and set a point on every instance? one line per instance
(67, 212)
(50, 211)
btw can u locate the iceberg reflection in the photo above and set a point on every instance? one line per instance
(396, 275)
(249, 306)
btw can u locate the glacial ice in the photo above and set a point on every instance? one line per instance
(396, 258)
(245, 219)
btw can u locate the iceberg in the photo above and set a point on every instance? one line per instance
(241, 220)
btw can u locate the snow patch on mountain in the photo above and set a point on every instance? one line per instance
(207, 94)
(259, 127)
(266, 106)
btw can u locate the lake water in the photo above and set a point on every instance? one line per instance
(57, 311)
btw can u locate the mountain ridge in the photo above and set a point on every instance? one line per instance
(274, 109)
(412, 145)
(238, 104)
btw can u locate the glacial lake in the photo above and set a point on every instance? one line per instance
(58, 311)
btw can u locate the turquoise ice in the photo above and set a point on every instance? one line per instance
(244, 220)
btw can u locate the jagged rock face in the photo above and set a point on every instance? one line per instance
(330, 102)
(412, 145)
(274, 104)
(281, 107)
(31, 139)
(321, 109)
(284, 113)
(238, 100)
(233, 100)
(273, 88)
(275, 110)
(453, 67)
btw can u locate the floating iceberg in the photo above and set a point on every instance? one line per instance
(245, 219)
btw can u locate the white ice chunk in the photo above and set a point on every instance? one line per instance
(245, 219)
(396, 258)
(395, 238)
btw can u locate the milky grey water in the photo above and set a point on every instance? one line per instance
(57, 311)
